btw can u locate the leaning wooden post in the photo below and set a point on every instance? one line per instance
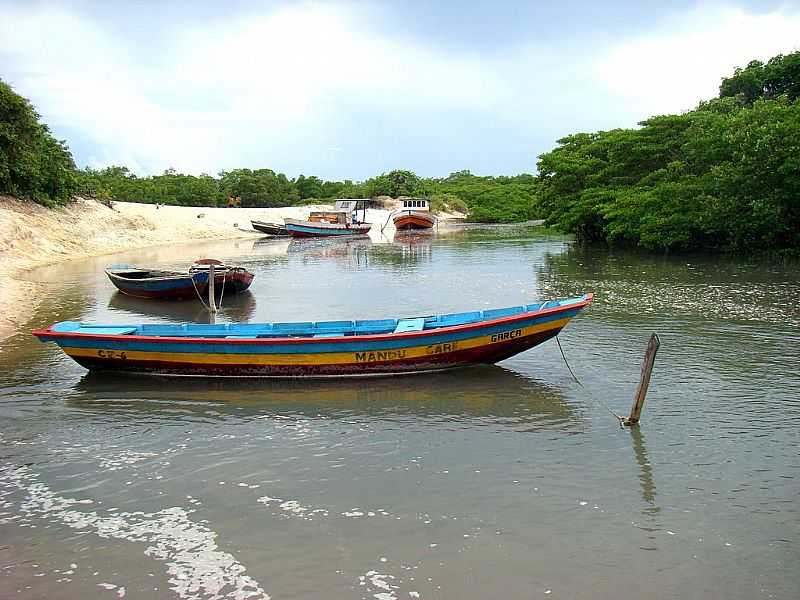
(212, 307)
(644, 381)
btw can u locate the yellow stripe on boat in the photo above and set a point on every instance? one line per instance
(319, 358)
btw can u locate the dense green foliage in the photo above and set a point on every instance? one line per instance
(779, 76)
(725, 176)
(170, 188)
(394, 184)
(33, 164)
(490, 199)
(255, 188)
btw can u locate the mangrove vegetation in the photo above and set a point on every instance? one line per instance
(725, 176)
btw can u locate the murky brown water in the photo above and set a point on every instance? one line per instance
(508, 481)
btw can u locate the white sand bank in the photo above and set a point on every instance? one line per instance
(32, 235)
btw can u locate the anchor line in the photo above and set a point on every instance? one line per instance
(588, 391)
(199, 295)
(222, 293)
(196, 291)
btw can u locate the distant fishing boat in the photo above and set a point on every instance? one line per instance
(341, 221)
(154, 283)
(323, 348)
(415, 214)
(269, 228)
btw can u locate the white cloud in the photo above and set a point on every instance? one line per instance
(672, 69)
(227, 90)
(284, 89)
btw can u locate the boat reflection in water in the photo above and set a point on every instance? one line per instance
(484, 395)
(407, 248)
(270, 246)
(353, 251)
(235, 308)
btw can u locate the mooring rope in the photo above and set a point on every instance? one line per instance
(575, 377)
(196, 291)
(222, 293)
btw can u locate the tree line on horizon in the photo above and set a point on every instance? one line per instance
(491, 199)
(722, 177)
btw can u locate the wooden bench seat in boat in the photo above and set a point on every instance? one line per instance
(406, 325)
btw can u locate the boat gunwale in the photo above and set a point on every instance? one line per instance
(326, 225)
(177, 275)
(47, 332)
(413, 213)
(226, 270)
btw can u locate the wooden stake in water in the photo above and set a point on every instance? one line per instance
(644, 381)
(212, 307)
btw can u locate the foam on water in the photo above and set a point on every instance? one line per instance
(124, 458)
(197, 568)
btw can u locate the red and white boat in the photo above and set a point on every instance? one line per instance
(415, 214)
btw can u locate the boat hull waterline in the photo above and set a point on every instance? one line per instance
(182, 350)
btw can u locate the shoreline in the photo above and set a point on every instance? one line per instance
(32, 236)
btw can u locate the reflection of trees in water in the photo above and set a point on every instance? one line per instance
(634, 284)
(599, 269)
(581, 264)
(476, 232)
(491, 394)
(270, 246)
(235, 307)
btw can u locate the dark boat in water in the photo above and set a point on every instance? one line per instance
(316, 349)
(154, 283)
(269, 228)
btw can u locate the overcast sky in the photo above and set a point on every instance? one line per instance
(346, 90)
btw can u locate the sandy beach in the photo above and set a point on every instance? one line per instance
(32, 235)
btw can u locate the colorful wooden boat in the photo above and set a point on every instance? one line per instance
(269, 228)
(341, 221)
(325, 348)
(154, 283)
(298, 228)
(415, 214)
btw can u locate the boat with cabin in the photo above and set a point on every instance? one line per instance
(341, 221)
(174, 285)
(414, 215)
(315, 349)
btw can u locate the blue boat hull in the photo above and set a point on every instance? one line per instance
(326, 230)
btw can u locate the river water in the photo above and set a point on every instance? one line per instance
(510, 481)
